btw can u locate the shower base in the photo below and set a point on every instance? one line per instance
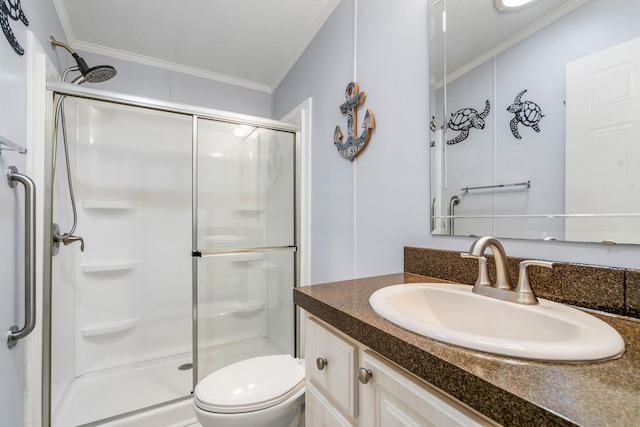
(115, 394)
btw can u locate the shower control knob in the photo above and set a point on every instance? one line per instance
(321, 363)
(364, 375)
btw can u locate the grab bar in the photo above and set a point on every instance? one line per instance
(452, 204)
(433, 214)
(15, 333)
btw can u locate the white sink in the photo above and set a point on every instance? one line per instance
(453, 314)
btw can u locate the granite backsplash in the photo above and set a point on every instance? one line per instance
(608, 289)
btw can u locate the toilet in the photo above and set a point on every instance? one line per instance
(266, 391)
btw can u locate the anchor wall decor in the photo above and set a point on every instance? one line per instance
(354, 145)
(12, 9)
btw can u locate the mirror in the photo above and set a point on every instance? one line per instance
(535, 127)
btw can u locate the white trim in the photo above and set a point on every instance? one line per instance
(171, 66)
(301, 115)
(37, 70)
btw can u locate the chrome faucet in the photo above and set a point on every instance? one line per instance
(503, 288)
(503, 279)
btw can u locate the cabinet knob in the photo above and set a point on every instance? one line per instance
(321, 363)
(364, 375)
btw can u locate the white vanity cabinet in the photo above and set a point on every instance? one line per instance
(331, 366)
(384, 395)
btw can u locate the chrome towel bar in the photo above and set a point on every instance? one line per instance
(15, 334)
(485, 187)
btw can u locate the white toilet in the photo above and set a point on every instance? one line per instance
(265, 391)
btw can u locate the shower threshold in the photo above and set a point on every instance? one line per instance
(117, 392)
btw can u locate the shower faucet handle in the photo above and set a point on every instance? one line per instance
(67, 240)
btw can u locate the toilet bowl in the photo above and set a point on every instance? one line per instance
(265, 391)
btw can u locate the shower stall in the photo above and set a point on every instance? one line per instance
(188, 221)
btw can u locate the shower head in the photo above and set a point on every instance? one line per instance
(97, 74)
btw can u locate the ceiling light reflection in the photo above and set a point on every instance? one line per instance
(511, 5)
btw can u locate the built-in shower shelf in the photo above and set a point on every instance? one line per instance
(115, 265)
(249, 208)
(248, 307)
(109, 205)
(227, 308)
(108, 327)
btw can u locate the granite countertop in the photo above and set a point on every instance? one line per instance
(513, 392)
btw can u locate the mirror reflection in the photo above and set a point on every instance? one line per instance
(536, 120)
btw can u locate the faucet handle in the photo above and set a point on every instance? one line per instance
(483, 272)
(524, 290)
(67, 240)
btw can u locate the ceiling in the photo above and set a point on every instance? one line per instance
(477, 31)
(250, 43)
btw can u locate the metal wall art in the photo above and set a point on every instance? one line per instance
(12, 9)
(465, 119)
(528, 113)
(353, 146)
(432, 126)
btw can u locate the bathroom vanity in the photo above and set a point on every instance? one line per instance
(348, 384)
(427, 375)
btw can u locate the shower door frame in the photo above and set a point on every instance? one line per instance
(55, 89)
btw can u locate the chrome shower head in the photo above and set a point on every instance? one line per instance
(97, 74)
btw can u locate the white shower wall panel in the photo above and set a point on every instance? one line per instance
(133, 188)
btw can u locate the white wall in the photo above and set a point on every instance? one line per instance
(12, 126)
(364, 212)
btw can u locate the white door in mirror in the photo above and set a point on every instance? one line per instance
(603, 145)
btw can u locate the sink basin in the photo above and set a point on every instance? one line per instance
(455, 315)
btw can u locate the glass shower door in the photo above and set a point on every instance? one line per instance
(121, 310)
(245, 243)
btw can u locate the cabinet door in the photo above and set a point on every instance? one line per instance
(319, 412)
(335, 376)
(392, 399)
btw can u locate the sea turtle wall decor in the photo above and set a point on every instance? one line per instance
(432, 126)
(465, 119)
(526, 112)
(12, 9)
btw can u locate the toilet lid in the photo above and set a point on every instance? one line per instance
(250, 385)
